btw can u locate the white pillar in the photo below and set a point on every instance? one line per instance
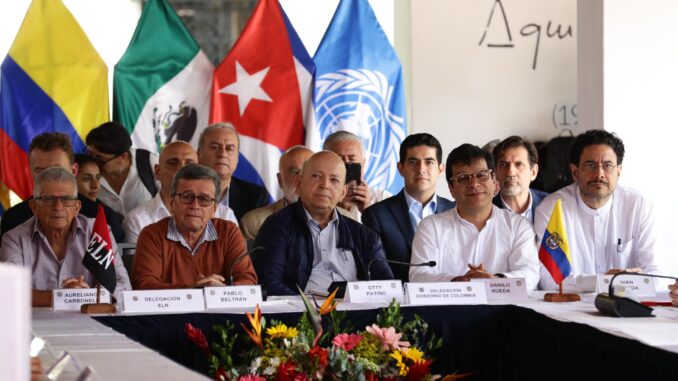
(628, 76)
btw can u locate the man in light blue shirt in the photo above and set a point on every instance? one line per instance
(396, 218)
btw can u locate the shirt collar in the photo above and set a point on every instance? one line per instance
(461, 220)
(527, 210)
(173, 234)
(224, 200)
(311, 222)
(590, 211)
(410, 200)
(160, 205)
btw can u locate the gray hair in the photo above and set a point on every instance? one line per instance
(54, 174)
(342, 136)
(197, 172)
(291, 150)
(215, 127)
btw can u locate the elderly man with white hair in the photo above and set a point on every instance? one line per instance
(53, 242)
(359, 196)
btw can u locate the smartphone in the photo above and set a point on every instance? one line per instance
(353, 172)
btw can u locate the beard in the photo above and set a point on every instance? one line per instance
(511, 190)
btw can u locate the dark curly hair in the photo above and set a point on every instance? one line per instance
(594, 137)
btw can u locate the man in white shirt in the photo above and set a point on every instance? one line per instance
(475, 239)
(396, 218)
(517, 163)
(359, 196)
(122, 186)
(172, 158)
(610, 228)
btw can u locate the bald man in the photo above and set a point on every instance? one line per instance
(310, 244)
(172, 158)
(289, 168)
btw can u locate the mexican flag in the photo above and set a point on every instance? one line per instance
(161, 85)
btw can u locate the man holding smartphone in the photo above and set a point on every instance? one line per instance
(359, 196)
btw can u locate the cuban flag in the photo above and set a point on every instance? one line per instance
(264, 87)
(359, 88)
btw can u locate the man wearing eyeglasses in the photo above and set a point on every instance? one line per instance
(127, 173)
(610, 228)
(173, 157)
(475, 239)
(54, 241)
(191, 248)
(55, 149)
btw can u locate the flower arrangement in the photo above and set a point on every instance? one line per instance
(390, 349)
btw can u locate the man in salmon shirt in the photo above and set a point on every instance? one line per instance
(192, 248)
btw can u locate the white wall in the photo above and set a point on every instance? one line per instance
(639, 100)
(464, 91)
(311, 18)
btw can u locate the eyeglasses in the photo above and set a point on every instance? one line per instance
(607, 166)
(189, 197)
(101, 162)
(67, 201)
(465, 178)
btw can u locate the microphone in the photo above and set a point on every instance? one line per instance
(424, 264)
(238, 259)
(612, 305)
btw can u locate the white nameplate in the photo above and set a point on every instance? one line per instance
(70, 299)
(634, 285)
(232, 296)
(374, 291)
(182, 300)
(504, 288)
(446, 293)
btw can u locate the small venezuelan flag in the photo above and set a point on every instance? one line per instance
(554, 252)
(52, 80)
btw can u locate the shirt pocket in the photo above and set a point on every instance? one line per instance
(622, 253)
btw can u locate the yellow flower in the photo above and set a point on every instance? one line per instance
(282, 331)
(413, 354)
(398, 356)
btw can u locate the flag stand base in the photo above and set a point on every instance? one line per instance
(97, 308)
(560, 297)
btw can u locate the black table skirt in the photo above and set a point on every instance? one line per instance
(497, 342)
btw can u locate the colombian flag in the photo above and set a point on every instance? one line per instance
(554, 252)
(52, 80)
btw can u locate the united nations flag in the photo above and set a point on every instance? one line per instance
(359, 88)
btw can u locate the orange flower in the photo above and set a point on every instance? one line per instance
(329, 304)
(255, 322)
